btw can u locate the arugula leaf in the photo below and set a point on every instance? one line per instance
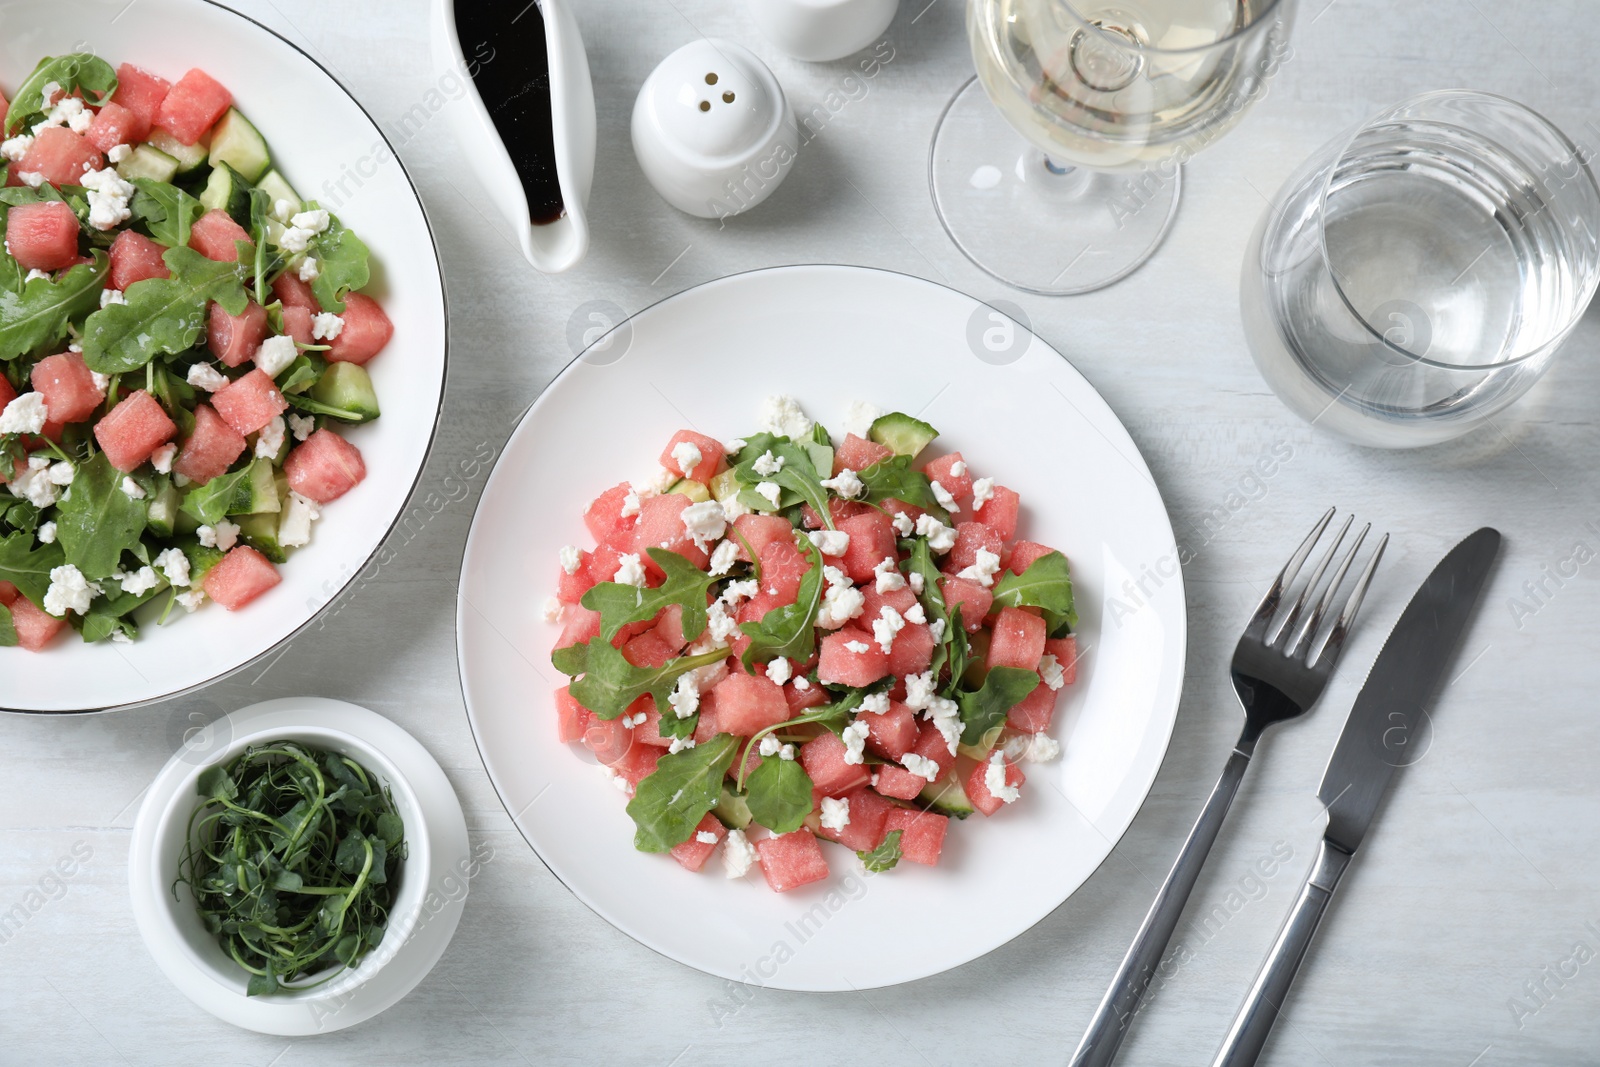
(81, 70)
(619, 603)
(835, 716)
(952, 647)
(671, 726)
(610, 683)
(262, 224)
(8, 632)
(798, 473)
(23, 516)
(779, 794)
(894, 479)
(1047, 584)
(208, 504)
(306, 404)
(341, 264)
(108, 616)
(97, 521)
(985, 710)
(790, 630)
(167, 211)
(669, 803)
(162, 315)
(885, 856)
(26, 567)
(10, 272)
(38, 313)
(302, 374)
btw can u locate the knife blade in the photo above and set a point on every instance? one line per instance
(1388, 712)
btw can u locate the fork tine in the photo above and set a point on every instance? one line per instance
(1269, 603)
(1341, 627)
(1308, 631)
(1306, 594)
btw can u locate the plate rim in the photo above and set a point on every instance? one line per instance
(1182, 619)
(427, 452)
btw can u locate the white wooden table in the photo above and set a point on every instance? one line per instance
(1466, 930)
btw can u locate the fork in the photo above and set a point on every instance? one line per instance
(1278, 674)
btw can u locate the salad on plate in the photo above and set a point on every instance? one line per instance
(182, 338)
(782, 640)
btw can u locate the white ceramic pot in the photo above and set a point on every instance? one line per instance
(822, 30)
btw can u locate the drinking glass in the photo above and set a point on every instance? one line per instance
(1418, 275)
(1057, 168)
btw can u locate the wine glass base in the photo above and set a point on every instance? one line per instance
(1032, 224)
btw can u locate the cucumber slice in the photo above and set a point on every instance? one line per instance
(732, 809)
(201, 559)
(273, 184)
(226, 190)
(260, 532)
(725, 484)
(905, 435)
(258, 493)
(948, 796)
(147, 162)
(821, 458)
(348, 388)
(189, 157)
(238, 144)
(163, 512)
(686, 487)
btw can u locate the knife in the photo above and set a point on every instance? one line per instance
(1387, 712)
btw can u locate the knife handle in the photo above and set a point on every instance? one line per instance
(1115, 1013)
(1248, 1035)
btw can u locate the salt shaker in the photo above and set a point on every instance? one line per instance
(821, 30)
(713, 130)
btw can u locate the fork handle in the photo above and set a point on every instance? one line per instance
(1115, 1013)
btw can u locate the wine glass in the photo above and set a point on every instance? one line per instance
(1110, 99)
(1418, 275)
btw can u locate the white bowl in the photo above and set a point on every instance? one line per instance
(821, 30)
(342, 158)
(433, 877)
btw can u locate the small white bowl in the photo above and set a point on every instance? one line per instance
(819, 31)
(433, 877)
(713, 130)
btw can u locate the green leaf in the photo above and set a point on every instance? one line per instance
(1047, 584)
(341, 264)
(619, 603)
(167, 211)
(162, 315)
(216, 783)
(37, 316)
(208, 504)
(789, 630)
(261, 985)
(8, 632)
(952, 648)
(893, 479)
(81, 70)
(110, 615)
(352, 853)
(798, 474)
(96, 521)
(610, 683)
(669, 803)
(672, 726)
(835, 716)
(390, 828)
(23, 516)
(885, 856)
(985, 710)
(779, 794)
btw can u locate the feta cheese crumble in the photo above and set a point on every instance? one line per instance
(294, 527)
(920, 765)
(1032, 748)
(109, 297)
(704, 522)
(946, 718)
(223, 536)
(958, 468)
(119, 152)
(770, 745)
(982, 493)
(771, 491)
(858, 647)
(859, 417)
(723, 557)
(685, 696)
(631, 571)
(191, 600)
(919, 690)
(326, 326)
(69, 591)
(302, 426)
(767, 464)
(994, 779)
(706, 837)
(778, 670)
(888, 576)
(874, 704)
(902, 523)
(174, 565)
(275, 354)
(946, 501)
(854, 737)
(840, 604)
(131, 489)
(35, 484)
(16, 147)
(781, 415)
(941, 538)
(108, 198)
(835, 814)
(571, 558)
(719, 624)
(734, 446)
(786, 752)
(1050, 669)
(985, 566)
(26, 414)
(204, 376)
(680, 744)
(161, 459)
(630, 504)
(847, 483)
(139, 582)
(886, 627)
(936, 628)
(802, 683)
(552, 609)
(915, 614)
(737, 854)
(831, 542)
(916, 582)
(47, 533)
(269, 439)
(686, 456)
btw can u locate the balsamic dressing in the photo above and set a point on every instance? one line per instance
(515, 87)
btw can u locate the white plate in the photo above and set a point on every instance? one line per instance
(277, 86)
(830, 335)
(428, 903)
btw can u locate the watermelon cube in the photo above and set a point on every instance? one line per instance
(868, 813)
(35, 627)
(606, 523)
(801, 699)
(136, 258)
(638, 762)
(215, 236)
(759, 531)
(978, 786)
(851, 656)
(1017, 640)
(892, 733)
(611, 742)
(921, 834)
(61, 156)
(571, 587)
(1032, 714)
(115, 125)
(234, 339)
(366, 331)
(669, 625)
(873, 602)
(1000, 512)
(324, 467)
(141, 93)
(931, 745)
(823, 759)
(68, 386)
(970, 538)
(649, 649)
(580, 625)
(1024, 554)
(1065, 650)
(783, 566)
(193, 106)
(239, 577)
(710, 464)
(706, 726)
(42, 236)
(297, 325)
(893, 780)
(941, 470)
(661, 526)
(912, 651)
(975, 600)
(250, 402)
(693, 853)
(136, 427)
(749, 703)
(857, 454)
(872, 540)
(789, 861)
(649, 731)
(572, 718)
(604, 562)
(291, 292)
(211, 449)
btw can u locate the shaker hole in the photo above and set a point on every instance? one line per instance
(711, 79)
(705, 105)
(727, 98)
